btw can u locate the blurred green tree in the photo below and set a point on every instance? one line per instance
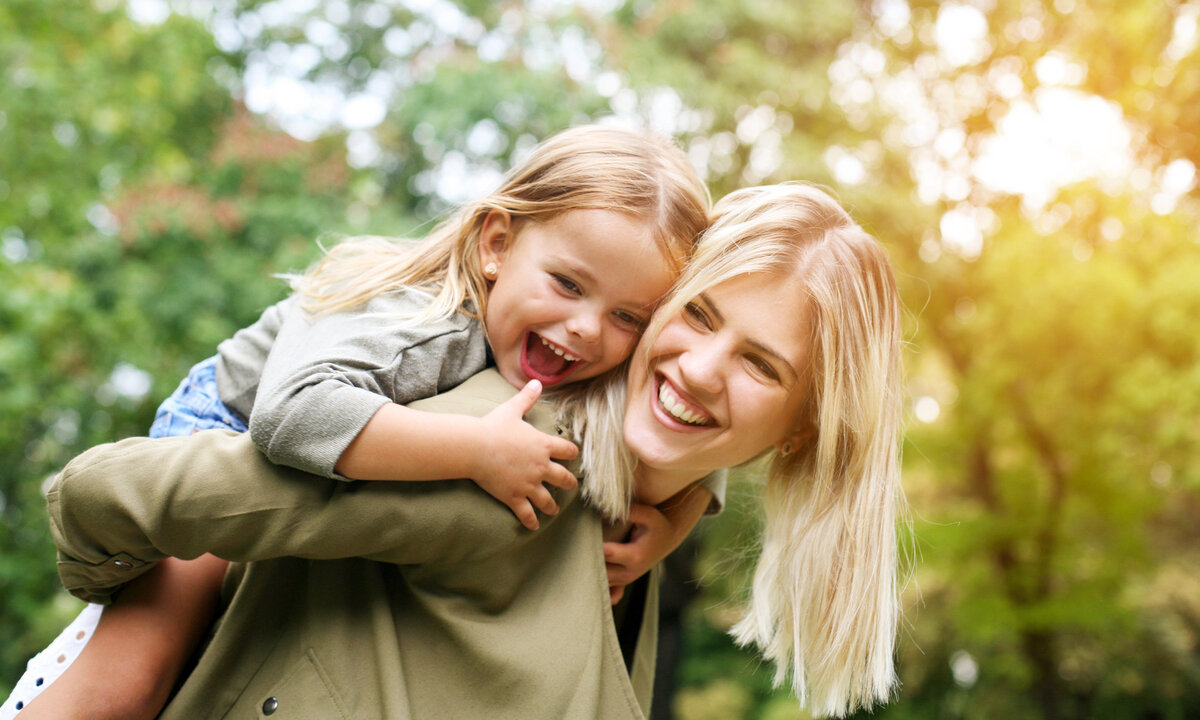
(144, 215)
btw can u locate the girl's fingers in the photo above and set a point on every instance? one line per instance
(524, 512)
(543, 501)
(524, 400)
(561, 477)
(561, 449)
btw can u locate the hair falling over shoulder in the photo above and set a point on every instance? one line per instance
(587, 167)
(824, 603)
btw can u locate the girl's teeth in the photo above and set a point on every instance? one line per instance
(558, 351)
(677, 409)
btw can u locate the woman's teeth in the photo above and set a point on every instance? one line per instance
(677, 409)
(558, 351)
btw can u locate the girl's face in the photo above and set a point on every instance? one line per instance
(725, 379)
(572, 294)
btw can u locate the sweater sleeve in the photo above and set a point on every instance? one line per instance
(326, 376)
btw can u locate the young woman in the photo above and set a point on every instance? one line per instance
(781, 338)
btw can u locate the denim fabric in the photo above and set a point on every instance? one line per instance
(196, 405)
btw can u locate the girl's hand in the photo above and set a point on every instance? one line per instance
(517, 460)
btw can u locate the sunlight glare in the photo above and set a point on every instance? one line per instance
(1063, 137)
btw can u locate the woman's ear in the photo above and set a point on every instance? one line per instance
(494, 239)
(798, 438)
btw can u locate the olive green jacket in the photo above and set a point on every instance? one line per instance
(446, 608)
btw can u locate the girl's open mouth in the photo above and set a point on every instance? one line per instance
(544, 361)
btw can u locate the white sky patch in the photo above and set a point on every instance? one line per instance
(126, 382)
(1062, 137)
(964, 668)
(363, 111)
(847, 169)
(962, 231)
(1176, 180)
(148, 12)
(926, 409)
(1055, 68)
(892, 16)
(961, 34)
(1186, 32)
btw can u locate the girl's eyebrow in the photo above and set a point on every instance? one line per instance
(581, 270)
(756, 344)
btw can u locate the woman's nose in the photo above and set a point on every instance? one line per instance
(701, 366)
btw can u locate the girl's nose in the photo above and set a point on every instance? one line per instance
(585, 325)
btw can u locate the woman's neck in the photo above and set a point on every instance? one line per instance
(652, 486)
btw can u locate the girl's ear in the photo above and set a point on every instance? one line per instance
(494, 239)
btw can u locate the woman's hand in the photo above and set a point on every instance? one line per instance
(654, 533)
(651, 538)
(516, 460)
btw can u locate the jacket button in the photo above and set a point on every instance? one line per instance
(270, 705)
(123, 564)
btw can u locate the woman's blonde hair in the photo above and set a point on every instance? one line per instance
(824, 604)
(583, 168)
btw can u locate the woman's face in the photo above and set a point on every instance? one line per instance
(725, 379)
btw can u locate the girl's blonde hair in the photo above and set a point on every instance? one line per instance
(824, 604)
(584, 168)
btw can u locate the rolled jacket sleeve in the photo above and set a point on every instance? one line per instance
(118, 508)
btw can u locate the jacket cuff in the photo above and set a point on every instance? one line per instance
(99, 583)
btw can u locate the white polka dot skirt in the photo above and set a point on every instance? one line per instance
(45, 667)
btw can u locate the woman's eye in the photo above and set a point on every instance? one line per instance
(763, 368)
(696, 315)
(567, 284)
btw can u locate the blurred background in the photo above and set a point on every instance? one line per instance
(1029, 164)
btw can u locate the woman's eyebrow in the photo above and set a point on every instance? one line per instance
(712, 308)
(766, 350)
(756, 344)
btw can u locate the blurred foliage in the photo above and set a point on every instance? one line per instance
(1054, 485)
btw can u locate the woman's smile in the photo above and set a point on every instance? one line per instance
(678, 406)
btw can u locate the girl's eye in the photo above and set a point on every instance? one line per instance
(762, 368)
(567, 284)
(629, 321)
(696, 316)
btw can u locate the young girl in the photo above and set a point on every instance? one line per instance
(551, 279)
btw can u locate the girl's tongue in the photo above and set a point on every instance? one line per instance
(541, 362)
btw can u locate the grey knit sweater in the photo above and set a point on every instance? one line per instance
(307, 385)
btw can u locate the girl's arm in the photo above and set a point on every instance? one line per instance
(127, 669)
(326, 376)
(654, 533)
(506, 456)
